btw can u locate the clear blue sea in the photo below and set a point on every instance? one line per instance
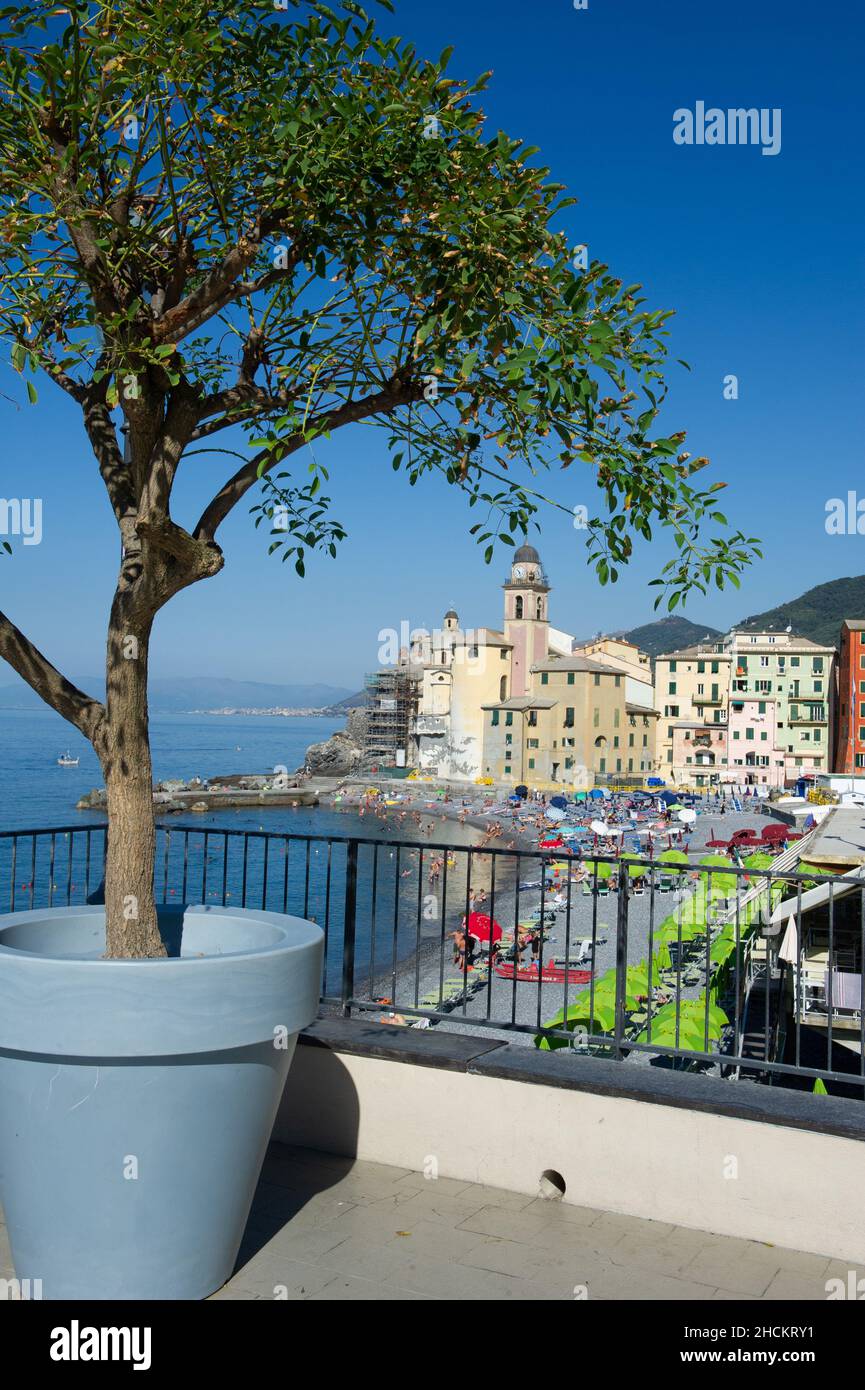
(36, 792)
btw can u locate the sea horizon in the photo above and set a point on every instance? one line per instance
(39, 794)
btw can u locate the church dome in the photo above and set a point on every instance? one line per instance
(451, 613)
(527, 555)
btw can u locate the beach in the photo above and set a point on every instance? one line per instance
(424, 977)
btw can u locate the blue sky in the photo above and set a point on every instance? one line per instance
(762, 257)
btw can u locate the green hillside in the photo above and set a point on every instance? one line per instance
(817, 614)
(668, 635)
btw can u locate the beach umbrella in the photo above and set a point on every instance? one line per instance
(559, 801)
(687, 817)
(554, 813)
(479, 925)
(521, 791)
(718, 861)
(634, 870)
(691, 1038)
(599, 827)
(604, 870)
(761, 860)
(601, 1020)
(596, 793)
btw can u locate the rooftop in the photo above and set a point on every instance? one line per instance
(522, 702)
(839, 838)
(575, 662)
(744, 642)
(703, 649)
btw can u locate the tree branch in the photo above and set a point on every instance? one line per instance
(114, 470)
(219, 288)
(236, 403)
(396, 393)
(70, 702)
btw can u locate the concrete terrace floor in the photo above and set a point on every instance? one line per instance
(328, 1228)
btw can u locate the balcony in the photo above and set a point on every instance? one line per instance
(425, 1148)
(431, 724)
(709, 700)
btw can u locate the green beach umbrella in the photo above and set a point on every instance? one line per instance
(601, 1020)
(673, 856)
(604, 870)
(634, 870)
(758, 860)
(690, 1038)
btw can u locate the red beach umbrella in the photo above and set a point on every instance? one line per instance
(481, 927)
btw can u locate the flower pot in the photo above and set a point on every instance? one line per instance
(137, 1097)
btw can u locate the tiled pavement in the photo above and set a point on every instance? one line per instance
(328, 1228)
(322, 1227)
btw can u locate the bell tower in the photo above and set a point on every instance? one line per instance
(527, 619)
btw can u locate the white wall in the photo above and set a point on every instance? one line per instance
(792, 1187)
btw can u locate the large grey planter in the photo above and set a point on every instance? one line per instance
(137, 1097)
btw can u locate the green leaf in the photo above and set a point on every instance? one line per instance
(468, 364)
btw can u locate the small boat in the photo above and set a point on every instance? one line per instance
(67, 760)
(550, 975)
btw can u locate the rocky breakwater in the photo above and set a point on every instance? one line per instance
(341, 754)
(233, 790)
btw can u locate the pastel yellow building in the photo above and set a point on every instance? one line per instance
(521, 706)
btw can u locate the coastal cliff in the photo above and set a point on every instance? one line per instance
(342, 753)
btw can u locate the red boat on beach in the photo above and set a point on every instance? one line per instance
(549, 975)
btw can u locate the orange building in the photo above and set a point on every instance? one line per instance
(850, 747)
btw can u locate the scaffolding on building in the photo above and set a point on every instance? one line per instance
(392, 697)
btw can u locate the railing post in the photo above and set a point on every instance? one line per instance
(621, 957)
(349, 927)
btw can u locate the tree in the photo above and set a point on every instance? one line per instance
(267, 221)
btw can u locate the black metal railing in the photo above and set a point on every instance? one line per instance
(648, 961)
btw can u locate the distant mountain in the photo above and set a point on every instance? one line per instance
(668, 635)
(818, 613)
(356, 701)
(201, 692)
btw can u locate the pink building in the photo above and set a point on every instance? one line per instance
(753, 755)
(700, 752)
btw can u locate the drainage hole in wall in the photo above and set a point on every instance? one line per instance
(551, 1185)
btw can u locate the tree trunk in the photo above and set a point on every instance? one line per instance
(124, 752)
